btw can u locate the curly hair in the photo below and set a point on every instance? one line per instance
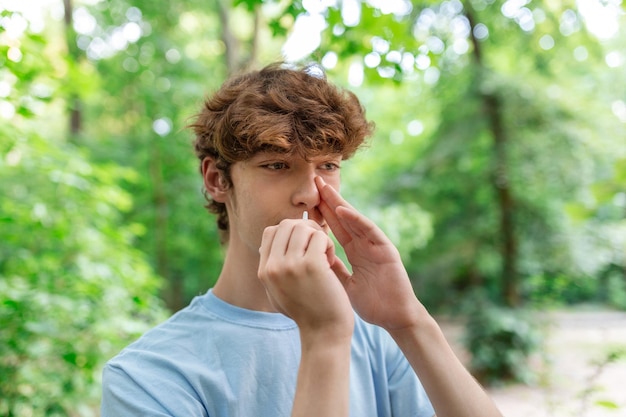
(278, 109)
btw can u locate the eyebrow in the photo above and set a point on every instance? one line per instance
(292, 155)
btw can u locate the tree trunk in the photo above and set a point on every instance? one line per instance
(172, 293)
(500, 179)
(231, 43)
(506, 204)
(235, 60)
(74, 103)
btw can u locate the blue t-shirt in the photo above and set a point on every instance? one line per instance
(218, 360)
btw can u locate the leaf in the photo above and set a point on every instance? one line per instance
(607, 404)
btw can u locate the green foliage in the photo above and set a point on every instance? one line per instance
(154, 87)
(500, 341)
(73, 290)
(588, 396)
(94, 225)
(561, 158)
(553, 290)
(407, 225)
(616, 289)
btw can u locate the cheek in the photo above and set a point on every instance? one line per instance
(334, 180)
(248, 223)
(255, 214)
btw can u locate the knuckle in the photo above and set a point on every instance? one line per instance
(276, 270)
(286, 222)
(320, 234)
(268, 231)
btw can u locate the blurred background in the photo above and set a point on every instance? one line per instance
(498, 167)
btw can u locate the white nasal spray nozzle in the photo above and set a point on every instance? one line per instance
(305, 215)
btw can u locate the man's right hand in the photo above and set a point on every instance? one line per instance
(297, 262)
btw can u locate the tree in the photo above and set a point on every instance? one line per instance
(505, 144)
(170, 55)
(73, 289)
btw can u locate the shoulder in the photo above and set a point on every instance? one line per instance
(147, 376)
(163, 344)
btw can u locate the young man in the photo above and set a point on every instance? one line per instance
(288, 329)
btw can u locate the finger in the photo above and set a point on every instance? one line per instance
(342, 235)
(280, 243)
(347, 223)
(313, 224)
(266, 244)
(341, 270)
(359, 226)
(330, 195)
(300, 237)
(330, 202)
(319, 244)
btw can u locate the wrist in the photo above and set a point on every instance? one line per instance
(421, 325)
(406, 317)
(323, 386)
(327, 336)
(423, 328)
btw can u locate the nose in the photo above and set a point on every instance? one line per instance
(305, 194)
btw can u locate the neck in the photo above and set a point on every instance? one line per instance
(238, 283)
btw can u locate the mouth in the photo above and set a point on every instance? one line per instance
(321, 223)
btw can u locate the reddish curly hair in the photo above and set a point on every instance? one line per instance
(277, 108)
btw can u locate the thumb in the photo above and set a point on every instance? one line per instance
(340, 269)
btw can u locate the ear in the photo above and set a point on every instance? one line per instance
(214, 180)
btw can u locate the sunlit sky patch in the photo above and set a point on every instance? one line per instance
(601, 18)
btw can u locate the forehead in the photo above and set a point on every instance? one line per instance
(296, 156)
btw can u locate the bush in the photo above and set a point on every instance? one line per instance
(73, 290)
(500, 341)
(560, 289)
(616, 290)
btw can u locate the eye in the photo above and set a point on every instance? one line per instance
(330, 166)
(275, 166)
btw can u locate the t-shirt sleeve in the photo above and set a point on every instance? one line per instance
(146, 394)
